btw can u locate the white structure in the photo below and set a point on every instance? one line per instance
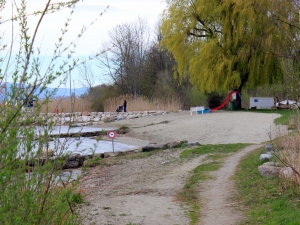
(197, 110)
(261, 102)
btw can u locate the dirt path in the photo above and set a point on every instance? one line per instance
(139, 191)
(217, 206)
(143, 191)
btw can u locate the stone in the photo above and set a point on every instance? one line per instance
(71, 164)
(73, 156)
(152, 147)
(175, 144)
(268, 147)
(86, 113)
(286, 172)
(96, 119)
(94, 114)
(265, 157)
(123, 130)
(109, 119)
(269, 171)
(271, 164)
(133, 116)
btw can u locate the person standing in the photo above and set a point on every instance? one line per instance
(125, 105)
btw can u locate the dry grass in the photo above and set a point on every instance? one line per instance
(110, 105)
(142, 104)
(289, 152)
(64, 105)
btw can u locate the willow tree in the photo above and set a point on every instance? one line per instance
(222, 45)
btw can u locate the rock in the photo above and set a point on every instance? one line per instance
(131, 116)
(173, 144)
(71, 164)
(86, 113)
(74, 156)
(152, 147)
(109, 119)
(265, 157)
(94, 114)
(271, 164)
(269, 171)
(123, 130)
(286, 172)
(268, 147)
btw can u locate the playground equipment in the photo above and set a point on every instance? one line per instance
(227, 100)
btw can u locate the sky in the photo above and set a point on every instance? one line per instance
(87, 11)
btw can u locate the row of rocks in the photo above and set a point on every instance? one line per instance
(272, 169)
(95, 117)
(76, 160)
(176, 144)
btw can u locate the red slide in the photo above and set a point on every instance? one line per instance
(225, 102)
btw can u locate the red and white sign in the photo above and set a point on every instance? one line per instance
(111, 134)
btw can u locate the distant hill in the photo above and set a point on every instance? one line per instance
(61, 92)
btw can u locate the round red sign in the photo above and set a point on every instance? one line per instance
(111, 134)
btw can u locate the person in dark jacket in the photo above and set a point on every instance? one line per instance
(125, 105)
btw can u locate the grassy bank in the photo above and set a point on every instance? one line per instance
(265, 200)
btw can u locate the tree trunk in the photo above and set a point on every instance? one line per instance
(238, 100)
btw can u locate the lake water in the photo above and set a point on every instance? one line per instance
(84, 145)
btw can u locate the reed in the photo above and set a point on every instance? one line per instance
(139, 103)
(64, 105)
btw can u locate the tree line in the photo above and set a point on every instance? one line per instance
(205, 48)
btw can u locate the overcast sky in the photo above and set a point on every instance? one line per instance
(119, 11)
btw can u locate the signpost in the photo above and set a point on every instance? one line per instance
(112, 134)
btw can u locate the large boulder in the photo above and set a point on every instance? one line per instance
(269, 171)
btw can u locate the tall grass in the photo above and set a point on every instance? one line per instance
(65, 104)
(139, 103)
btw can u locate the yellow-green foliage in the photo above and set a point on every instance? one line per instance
(224, 44)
